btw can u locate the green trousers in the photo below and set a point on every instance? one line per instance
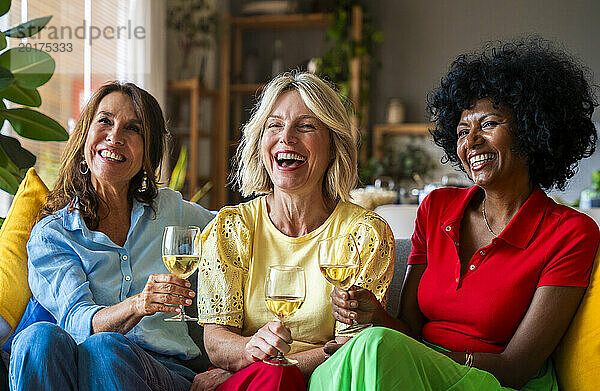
(380, 359)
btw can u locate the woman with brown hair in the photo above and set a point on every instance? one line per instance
(95, 259)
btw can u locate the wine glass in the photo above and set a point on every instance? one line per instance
(339, 261)
(181, 255)
(285, 291)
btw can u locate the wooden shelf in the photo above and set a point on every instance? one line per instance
(189, 84)
(247, 88)
(292, 21)
(407, 128)
(195, 90)
(419, 129)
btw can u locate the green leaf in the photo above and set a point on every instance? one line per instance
(31, 69)
(4, 6)
(1, 221)
(21, 95)
(6, 78)
(8, 182)
(35, 125)
(11, 149)
(2, 41)
(179, 171)
(28, 28)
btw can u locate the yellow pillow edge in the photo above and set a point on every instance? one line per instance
(577, 357)
(33, 191)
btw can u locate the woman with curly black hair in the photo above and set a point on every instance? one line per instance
(497, 270)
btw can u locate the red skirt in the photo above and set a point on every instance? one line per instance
(264, 377)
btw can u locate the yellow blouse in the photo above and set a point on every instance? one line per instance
(240, 244)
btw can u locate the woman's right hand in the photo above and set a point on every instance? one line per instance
(162, 293)
(268, 341)
(357, 304)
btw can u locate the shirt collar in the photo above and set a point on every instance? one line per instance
(73, 221)
(521, 228)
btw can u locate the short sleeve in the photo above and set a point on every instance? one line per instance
(418, 252)
(375, 239)
(223, 269)
(571, 263)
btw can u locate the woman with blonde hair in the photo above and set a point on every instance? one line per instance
(299, 155)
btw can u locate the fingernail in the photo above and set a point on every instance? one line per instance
(188, 284)
(353, 304)
(191, 294)
(188, 301)
(353, 316)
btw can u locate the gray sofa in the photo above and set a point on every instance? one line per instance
(401, 257)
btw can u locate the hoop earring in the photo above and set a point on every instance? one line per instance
(83, 168)
(144, 184)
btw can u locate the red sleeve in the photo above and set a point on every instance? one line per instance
(418, 253)
(573, 254)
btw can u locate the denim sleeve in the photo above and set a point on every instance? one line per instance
(57, 279)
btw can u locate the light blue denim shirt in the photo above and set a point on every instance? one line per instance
(74, 272)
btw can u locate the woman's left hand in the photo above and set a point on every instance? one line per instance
(355, 304)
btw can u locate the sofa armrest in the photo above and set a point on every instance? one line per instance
(401, 257)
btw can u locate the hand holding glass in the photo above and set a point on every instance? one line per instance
(181, 255)
(339, 261)
(285, 291)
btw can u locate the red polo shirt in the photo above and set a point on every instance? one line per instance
(544, 244)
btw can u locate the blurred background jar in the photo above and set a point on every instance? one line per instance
(395, 111)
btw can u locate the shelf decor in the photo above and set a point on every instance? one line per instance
(195, 22)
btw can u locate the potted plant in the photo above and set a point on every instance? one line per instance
(22, 71)
(195, 23)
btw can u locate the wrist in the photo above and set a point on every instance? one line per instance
(133, 306)
(380, 317)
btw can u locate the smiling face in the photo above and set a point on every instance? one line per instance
(295, 146)
(114, 146)
(485, 146)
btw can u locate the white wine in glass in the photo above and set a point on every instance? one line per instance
(285, 291)
(339, 261)
(181, 255)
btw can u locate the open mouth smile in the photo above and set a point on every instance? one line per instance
(289, 160)
(112, 156)
(478, 161)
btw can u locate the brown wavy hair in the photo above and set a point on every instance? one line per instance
(71, 185)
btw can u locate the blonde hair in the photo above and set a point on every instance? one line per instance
(341, 175)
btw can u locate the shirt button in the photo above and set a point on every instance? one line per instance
(125, 257)
(127, 278)
(448, 228)
(482, 252)
(457, 279)
(472, 267)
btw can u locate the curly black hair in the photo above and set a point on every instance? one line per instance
(548, 92)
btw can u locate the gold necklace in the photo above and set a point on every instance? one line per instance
(487, 224)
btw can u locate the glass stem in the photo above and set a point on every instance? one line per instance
(181, 314)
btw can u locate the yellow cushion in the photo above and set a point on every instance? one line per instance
(14, 234)
(577, 357)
